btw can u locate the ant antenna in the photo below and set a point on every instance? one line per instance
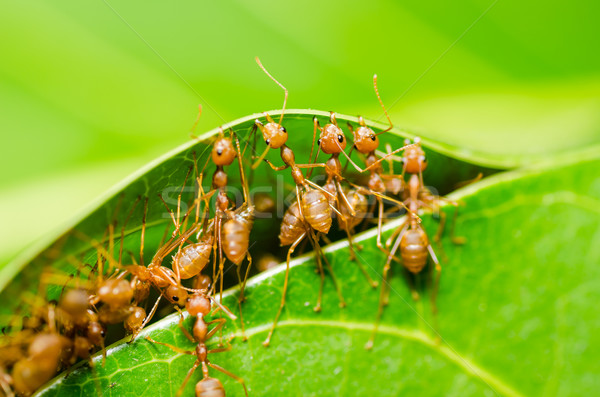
(192, 135)
(382, 105)
(279, 84)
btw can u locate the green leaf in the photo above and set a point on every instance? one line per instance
(516, 310)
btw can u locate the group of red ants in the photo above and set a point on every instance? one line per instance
(57, 334)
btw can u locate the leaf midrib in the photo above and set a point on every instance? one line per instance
(496, 384)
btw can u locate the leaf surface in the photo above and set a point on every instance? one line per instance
(516, 313)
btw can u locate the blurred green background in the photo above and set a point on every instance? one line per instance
(91, 91)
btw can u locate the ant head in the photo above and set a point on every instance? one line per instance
(75, 302)
(177, 295)
(198, 304)
(274, 134)
(414, 157)
(223, 152)
(365, 139)
(95, 332)
(332, 139)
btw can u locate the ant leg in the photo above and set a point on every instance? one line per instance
(285, 284)
(469, 181)
(147, 319)
(187, 377)
(222, 273)
(221, 259)
(178, 225)
(434, 294)
(237, 378)
(261, 158)
(438, 235)
(354, 257)
(387, 156)
(5, 381)
(275, 168)
(314, 185)
(380, 231)
(321, 254)
(436, 286)
(384, 284)
(249, 257)
(312, 238)
(95, 376)
(345, 198)
(224, 309)
(415, 295)
(395, 234)
(214, 255)
(437, 239)
(143, 232)
(316, 127)
(174, 348)
(241, 298)
(220, 350)
(326, 239)
(458, 240)
(185, 331)
(412, 284)
(455, 239)
(311, 166)
(220, 323)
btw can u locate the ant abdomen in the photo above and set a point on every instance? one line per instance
(359, 204)
(194, 257)
(236, 237)
(210, 387)
(28, 376)
(413, 249)
(316, 210)
(115, 292)
(292, 226)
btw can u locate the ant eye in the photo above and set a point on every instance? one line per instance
(373, 137)
(341, 138)
(319, 142)
(283, 129)
(220, 152)
(175, 298)
(102, 333)
(268, 141)
(424, 159)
